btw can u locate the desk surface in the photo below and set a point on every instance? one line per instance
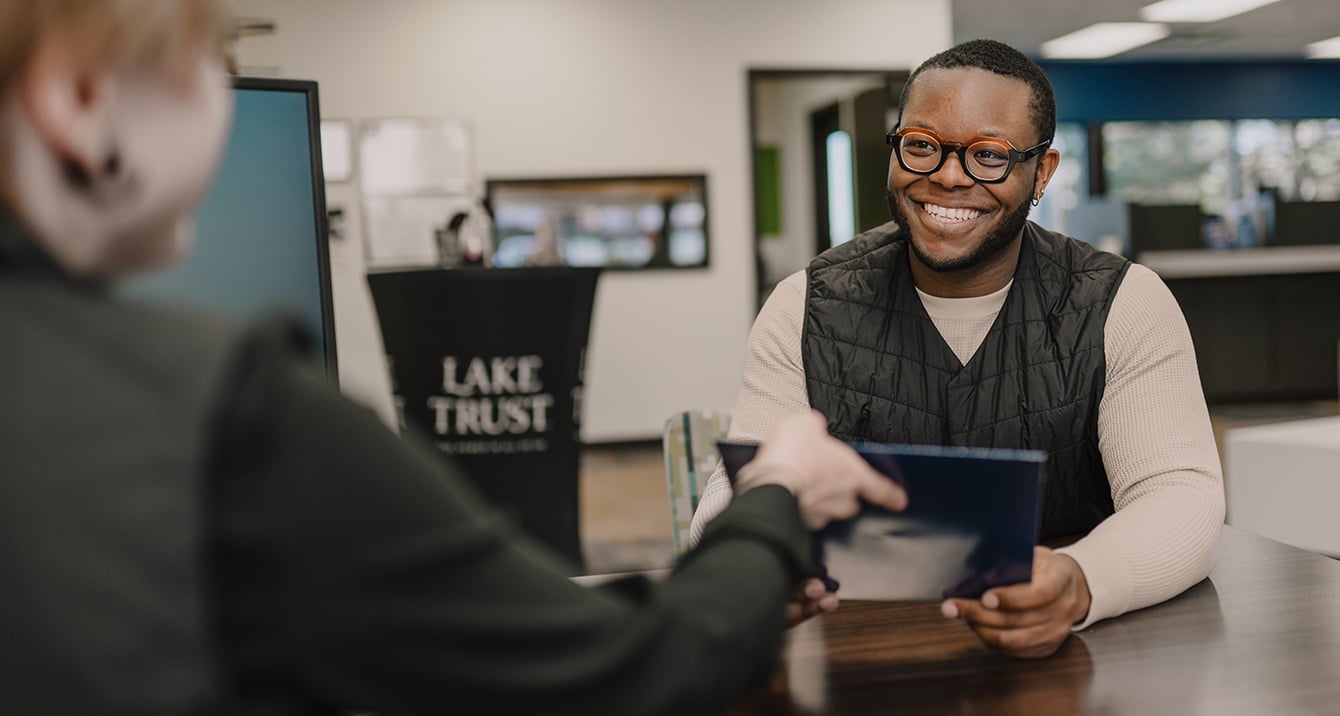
(1260, 636)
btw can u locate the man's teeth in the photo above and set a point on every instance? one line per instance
(944, 212)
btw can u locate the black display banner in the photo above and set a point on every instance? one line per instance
(487, 363)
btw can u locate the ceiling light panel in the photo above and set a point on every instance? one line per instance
(1198, 10)
(1326, 49)
(1104, 39)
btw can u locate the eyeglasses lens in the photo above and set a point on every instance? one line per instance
(986, 160)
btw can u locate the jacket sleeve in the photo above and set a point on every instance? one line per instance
(364, 572)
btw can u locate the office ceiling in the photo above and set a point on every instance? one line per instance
(1280, 30)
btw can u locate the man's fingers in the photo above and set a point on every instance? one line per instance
(1027, 643)
(814, 589)
(1021, 597)
(972, 611)
(819, 510)
(812, 598)
(883, 492)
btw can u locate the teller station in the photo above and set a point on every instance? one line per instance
(1265, 319)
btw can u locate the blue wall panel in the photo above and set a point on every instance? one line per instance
(1153, 91)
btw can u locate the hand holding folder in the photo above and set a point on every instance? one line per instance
(970, 524)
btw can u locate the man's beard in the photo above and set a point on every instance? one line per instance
(996, 241)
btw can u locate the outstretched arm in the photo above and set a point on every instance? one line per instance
(360, 572)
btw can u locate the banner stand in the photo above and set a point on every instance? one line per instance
(487, 364)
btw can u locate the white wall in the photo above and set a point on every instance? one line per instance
(581, 87)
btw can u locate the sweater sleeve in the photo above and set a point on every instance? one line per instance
(773, 386)
(360, 571)
(1159, 452)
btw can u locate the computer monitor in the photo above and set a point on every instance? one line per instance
(1299, 223)
(261, 242)
(1165, 227)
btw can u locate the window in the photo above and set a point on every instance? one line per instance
(1235, 172)
(1169, 163)
(841, 195)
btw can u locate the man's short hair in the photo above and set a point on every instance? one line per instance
(1001, 59)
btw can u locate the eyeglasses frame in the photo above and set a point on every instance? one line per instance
(1016, 156)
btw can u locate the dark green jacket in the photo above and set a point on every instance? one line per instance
(192, 521)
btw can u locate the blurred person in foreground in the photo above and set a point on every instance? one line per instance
(193, 522)
(960, 322)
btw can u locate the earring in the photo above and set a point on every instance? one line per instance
(115, 184)
(1037, 198)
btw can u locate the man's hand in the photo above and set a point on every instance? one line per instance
(829, 479)
(1031, 620)
(812, 598)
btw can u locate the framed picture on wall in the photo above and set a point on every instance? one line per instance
(615, 222)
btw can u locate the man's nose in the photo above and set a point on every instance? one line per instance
(952, 172)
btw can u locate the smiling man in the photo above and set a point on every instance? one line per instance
(962, 323)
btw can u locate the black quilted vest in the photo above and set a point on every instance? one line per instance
(878, 368)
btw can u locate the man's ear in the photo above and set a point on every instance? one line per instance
(68, 102)
(1047, 165)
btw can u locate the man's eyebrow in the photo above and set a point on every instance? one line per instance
(995, 134)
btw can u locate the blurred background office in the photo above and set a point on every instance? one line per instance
(1207, 145)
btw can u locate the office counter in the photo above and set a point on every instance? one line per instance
(1260, 636)
(1265, 321)
(1267, 261)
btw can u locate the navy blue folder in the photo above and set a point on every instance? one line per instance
(971, 523)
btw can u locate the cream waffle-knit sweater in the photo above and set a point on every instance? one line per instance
(1153, 431)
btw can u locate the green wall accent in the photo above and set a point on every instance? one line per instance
(768, 189)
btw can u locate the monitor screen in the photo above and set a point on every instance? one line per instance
(261, 242)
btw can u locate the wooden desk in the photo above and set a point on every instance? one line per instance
(1260, 636)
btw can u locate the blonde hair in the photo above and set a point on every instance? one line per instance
(111, 32)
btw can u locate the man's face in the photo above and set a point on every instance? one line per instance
(957, 224)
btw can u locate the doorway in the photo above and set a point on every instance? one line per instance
(820, 163)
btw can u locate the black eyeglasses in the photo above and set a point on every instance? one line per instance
(987, 160)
